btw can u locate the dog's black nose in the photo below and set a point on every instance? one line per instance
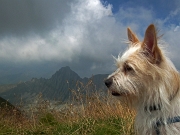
(108, 82)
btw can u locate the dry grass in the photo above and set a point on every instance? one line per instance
(84, 114)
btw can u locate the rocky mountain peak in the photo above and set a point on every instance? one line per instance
(65, 73)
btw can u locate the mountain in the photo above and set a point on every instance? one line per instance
(60, 86)
(7, 109)
(5, 104)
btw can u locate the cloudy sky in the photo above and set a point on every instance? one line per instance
(41, 36)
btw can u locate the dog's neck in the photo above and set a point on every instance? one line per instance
(159, 115)
(157, 107)
(174, 94)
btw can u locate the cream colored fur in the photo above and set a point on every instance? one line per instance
(144, 78)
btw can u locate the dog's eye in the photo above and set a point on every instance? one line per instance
(128, 68)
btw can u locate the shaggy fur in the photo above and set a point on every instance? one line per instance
(147, 80)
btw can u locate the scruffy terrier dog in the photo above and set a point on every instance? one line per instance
(147, 79)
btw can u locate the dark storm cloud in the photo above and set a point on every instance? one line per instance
(82, 34)
(19, 17)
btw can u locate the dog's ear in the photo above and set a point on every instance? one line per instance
(150, 45)
(131, 36)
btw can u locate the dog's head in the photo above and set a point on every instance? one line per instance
(140, 69)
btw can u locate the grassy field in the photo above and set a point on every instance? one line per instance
(89, 115)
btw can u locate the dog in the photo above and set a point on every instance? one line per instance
(147, 80)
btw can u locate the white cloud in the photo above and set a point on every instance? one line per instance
(173, 14)
(176, 28)
(81, 33)
(169, 27)
(90, 32)
(171, 36)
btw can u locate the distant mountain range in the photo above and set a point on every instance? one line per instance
(59, 87)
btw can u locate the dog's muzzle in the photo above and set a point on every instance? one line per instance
(108, 82)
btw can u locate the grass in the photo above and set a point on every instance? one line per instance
(91, 114)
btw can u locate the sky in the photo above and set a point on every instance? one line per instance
(38, 37)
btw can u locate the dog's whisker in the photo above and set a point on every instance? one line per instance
(132, 87)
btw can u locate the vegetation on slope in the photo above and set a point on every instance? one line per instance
(90, 114)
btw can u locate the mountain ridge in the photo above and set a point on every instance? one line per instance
(59, 86)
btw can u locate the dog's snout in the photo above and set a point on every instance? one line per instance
(108, 82)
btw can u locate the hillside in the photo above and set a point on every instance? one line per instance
(59, 87)
(4, 103)
(95, 114)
